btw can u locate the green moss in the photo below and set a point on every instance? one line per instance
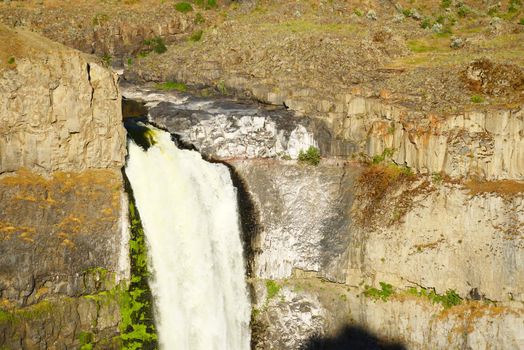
(386, 290)
(272, 288)
(86, 340)
(310, 156)
(172, 85)
(183, 7)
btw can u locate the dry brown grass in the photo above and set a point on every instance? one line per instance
(501, 187)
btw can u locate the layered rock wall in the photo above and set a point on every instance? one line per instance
(63, 209)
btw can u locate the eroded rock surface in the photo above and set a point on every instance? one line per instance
(62, 205)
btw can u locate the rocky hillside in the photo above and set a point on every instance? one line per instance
(62, 207)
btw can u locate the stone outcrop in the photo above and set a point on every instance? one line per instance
(59, 110)
(419, 233)
(63, 208)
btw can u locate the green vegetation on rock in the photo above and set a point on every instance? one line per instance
(171, 85)
(156, 44)
(451, 298)
(196, 36)
(183, 7)
(310, 156)
(136, 307)
(272, 288)
(385, 291)
(477, 99)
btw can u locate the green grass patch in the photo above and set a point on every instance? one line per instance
(419, 46)
(183, 7)
(171, 85)
(272, 288)
(196, 36)
(477, 99)
(386, 290)
(311, 156)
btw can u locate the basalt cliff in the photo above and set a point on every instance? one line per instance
(407, 232)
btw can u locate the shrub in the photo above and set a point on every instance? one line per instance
(451, 298)
(463, 11)
(477, 99)
(100, 18)
(199, 19)
(11, 60)
(358, 12)
(156, 44)
(387, 153)
(514, 6)
(172, 85)
(196, 36)
(183, 7)
(273, 288)
(521, 22)
(385, 291)
(310, 156)
(445, 4)
(107, 59)
(426, 23)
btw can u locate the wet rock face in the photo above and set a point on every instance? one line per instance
(225, 128)
(303, 216)
(61, 110)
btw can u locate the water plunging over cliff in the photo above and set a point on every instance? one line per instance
(189, 212)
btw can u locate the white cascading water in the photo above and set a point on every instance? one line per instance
(189, 213)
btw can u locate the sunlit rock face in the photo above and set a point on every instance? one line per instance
(63, 223)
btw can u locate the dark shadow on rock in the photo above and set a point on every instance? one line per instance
(352, 338)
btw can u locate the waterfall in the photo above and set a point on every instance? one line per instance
(190, 217)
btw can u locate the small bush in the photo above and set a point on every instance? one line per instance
(386, 290)
(426, 23)
(406, 12)
(172, 85)
(514, 6)
(463, 11)
(477, 99)
(107, 59)
(129, 61)
(199, 19)
(273, 288)
(387, 153)
(156, 44)
(196, 36)
(358, 12)
(183, 7)
(451, 298)
(521, 22)
(445, 4)
(310, 156)
(11, 60)
(211, 4)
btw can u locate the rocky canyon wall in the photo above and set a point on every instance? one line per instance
(62, 208)
(353, 254)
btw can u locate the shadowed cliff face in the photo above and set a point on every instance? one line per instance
(351, 337)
